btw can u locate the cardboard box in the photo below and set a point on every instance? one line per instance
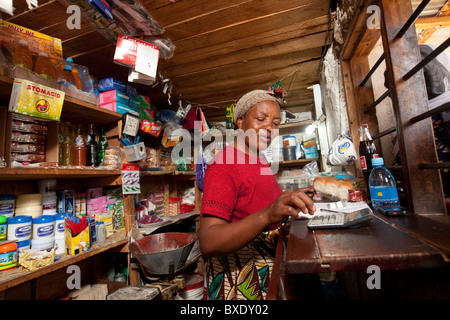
(79, 243)
(113, 96)
(80, 204)
(38, 41)
(66, 201)
(36, 100)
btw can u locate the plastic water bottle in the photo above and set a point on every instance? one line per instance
(382, 186)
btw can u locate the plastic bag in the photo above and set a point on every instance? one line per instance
(342, 151)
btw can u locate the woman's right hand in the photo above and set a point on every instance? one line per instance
(290, 203)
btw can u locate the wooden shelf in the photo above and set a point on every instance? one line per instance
(23, 173)
(167, 173)
(297, 162)
(74, 110)
(295, 124)
(14, 277)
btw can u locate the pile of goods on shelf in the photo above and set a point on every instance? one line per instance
(28, 140)
(86, 147)
(156, 207)
(56, 222)
(30, 55)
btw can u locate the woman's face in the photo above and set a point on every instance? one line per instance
(260, 124)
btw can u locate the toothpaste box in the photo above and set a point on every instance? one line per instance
(66, 202)
(113, 96)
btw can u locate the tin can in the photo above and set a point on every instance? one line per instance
(289, 141)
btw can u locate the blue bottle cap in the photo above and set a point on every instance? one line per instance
(23, 243)
(43, 219)
(377, 161)
(61, 216)
(19, 219)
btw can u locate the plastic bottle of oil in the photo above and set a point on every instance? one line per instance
(43, 66)
(22, 55)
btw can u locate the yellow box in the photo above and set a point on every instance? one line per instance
(36, 100)
(43, 42)
(79, 243)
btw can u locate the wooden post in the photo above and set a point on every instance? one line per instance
(409, 98)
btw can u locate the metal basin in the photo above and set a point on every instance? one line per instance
(161, 250)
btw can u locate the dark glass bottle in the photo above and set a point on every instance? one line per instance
(91, 148)
(367, 151)
(102, 145)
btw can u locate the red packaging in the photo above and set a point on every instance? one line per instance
(126, 50)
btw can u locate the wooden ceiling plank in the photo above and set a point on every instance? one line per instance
(297, 46)
(237, 36)
(85, 43)
(183, 11)
(233, 87)
(250, 66)
(236, 15)
(60, 31)
(244, 43)
(39, 17)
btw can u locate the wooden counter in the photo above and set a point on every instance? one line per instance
(412, 242)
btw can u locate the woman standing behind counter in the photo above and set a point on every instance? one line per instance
(243, 205)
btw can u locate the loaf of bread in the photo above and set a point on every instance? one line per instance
(341, 187)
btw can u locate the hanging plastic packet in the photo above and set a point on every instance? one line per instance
(342, 151)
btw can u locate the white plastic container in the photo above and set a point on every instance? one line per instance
(23, 245)
(44, 227)
(60, 244)
(59, 225)
(32, 211)
(29, 200)
(135, 152)
(43, 244)
(7, 205)
(19, 228)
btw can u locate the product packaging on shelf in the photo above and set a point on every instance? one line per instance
(77, 243)
(38, 41)
(138, 55)
(108, 84)
(29, 55)
(66, 202)
(32, 141)
(80, 204)
(81, 86)
(36, 100)
(32, 259)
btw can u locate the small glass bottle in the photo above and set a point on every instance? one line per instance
(91, 148)
(382, 186)
(367, 150)
(102, 146)
(80, 148)
(68, 155)
(61, 144)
